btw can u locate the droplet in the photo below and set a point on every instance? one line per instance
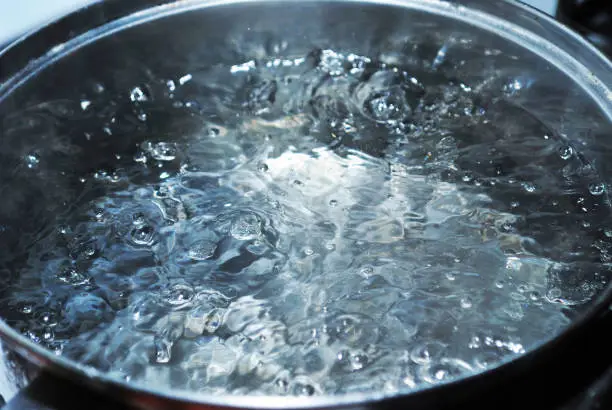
(32, 160)
(262, 167)
(566, 152)
(85, 104)
(308, 251)
(202, 250)
(333, 203)
(597, 188)
(451, 276)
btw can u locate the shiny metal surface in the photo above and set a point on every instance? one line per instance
(342, 22)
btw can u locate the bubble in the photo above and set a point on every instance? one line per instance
(513, 263)
(72, 276)
(366, 271)
(142, 235)
(48, 319)
(387, 106)
(466, 302)
(309, 251)
(426, 352)
(529, 187)
(140, 157)
(246, 227)
(262, 96)
(332, 62)
(597, 188)
(303, 386)
(161, 191)
(48, 335)
(163, 350)
(138, 94)
(32, 160)
(438, 371)
(333, 203)
(27, 309)
(262, 167)
(162, 151)
(566, 152)
(202, 250)
(451, 276)
(178, 294)
(85, 104)
(352, 360)
(553, 294)
(171, 85)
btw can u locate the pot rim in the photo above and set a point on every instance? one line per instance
(474, 12)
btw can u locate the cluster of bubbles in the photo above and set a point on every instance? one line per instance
(341, 224)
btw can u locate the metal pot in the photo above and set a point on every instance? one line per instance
(118, 43)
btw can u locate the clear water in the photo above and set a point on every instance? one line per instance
(339, 224)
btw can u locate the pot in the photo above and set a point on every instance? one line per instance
(82, 96)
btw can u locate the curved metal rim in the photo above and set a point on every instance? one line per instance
(102, 382)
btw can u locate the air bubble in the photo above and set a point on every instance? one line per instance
(529, 187)
(32, 160)
(178, 294)
(142, 235)
(466, 302)
(426, 352)
(137, 94)
(162, 151)
(566, 152)
(597, 188)
(332, 62)
(246, 227)
(202, 250)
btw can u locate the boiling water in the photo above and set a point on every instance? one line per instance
(334, 224)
